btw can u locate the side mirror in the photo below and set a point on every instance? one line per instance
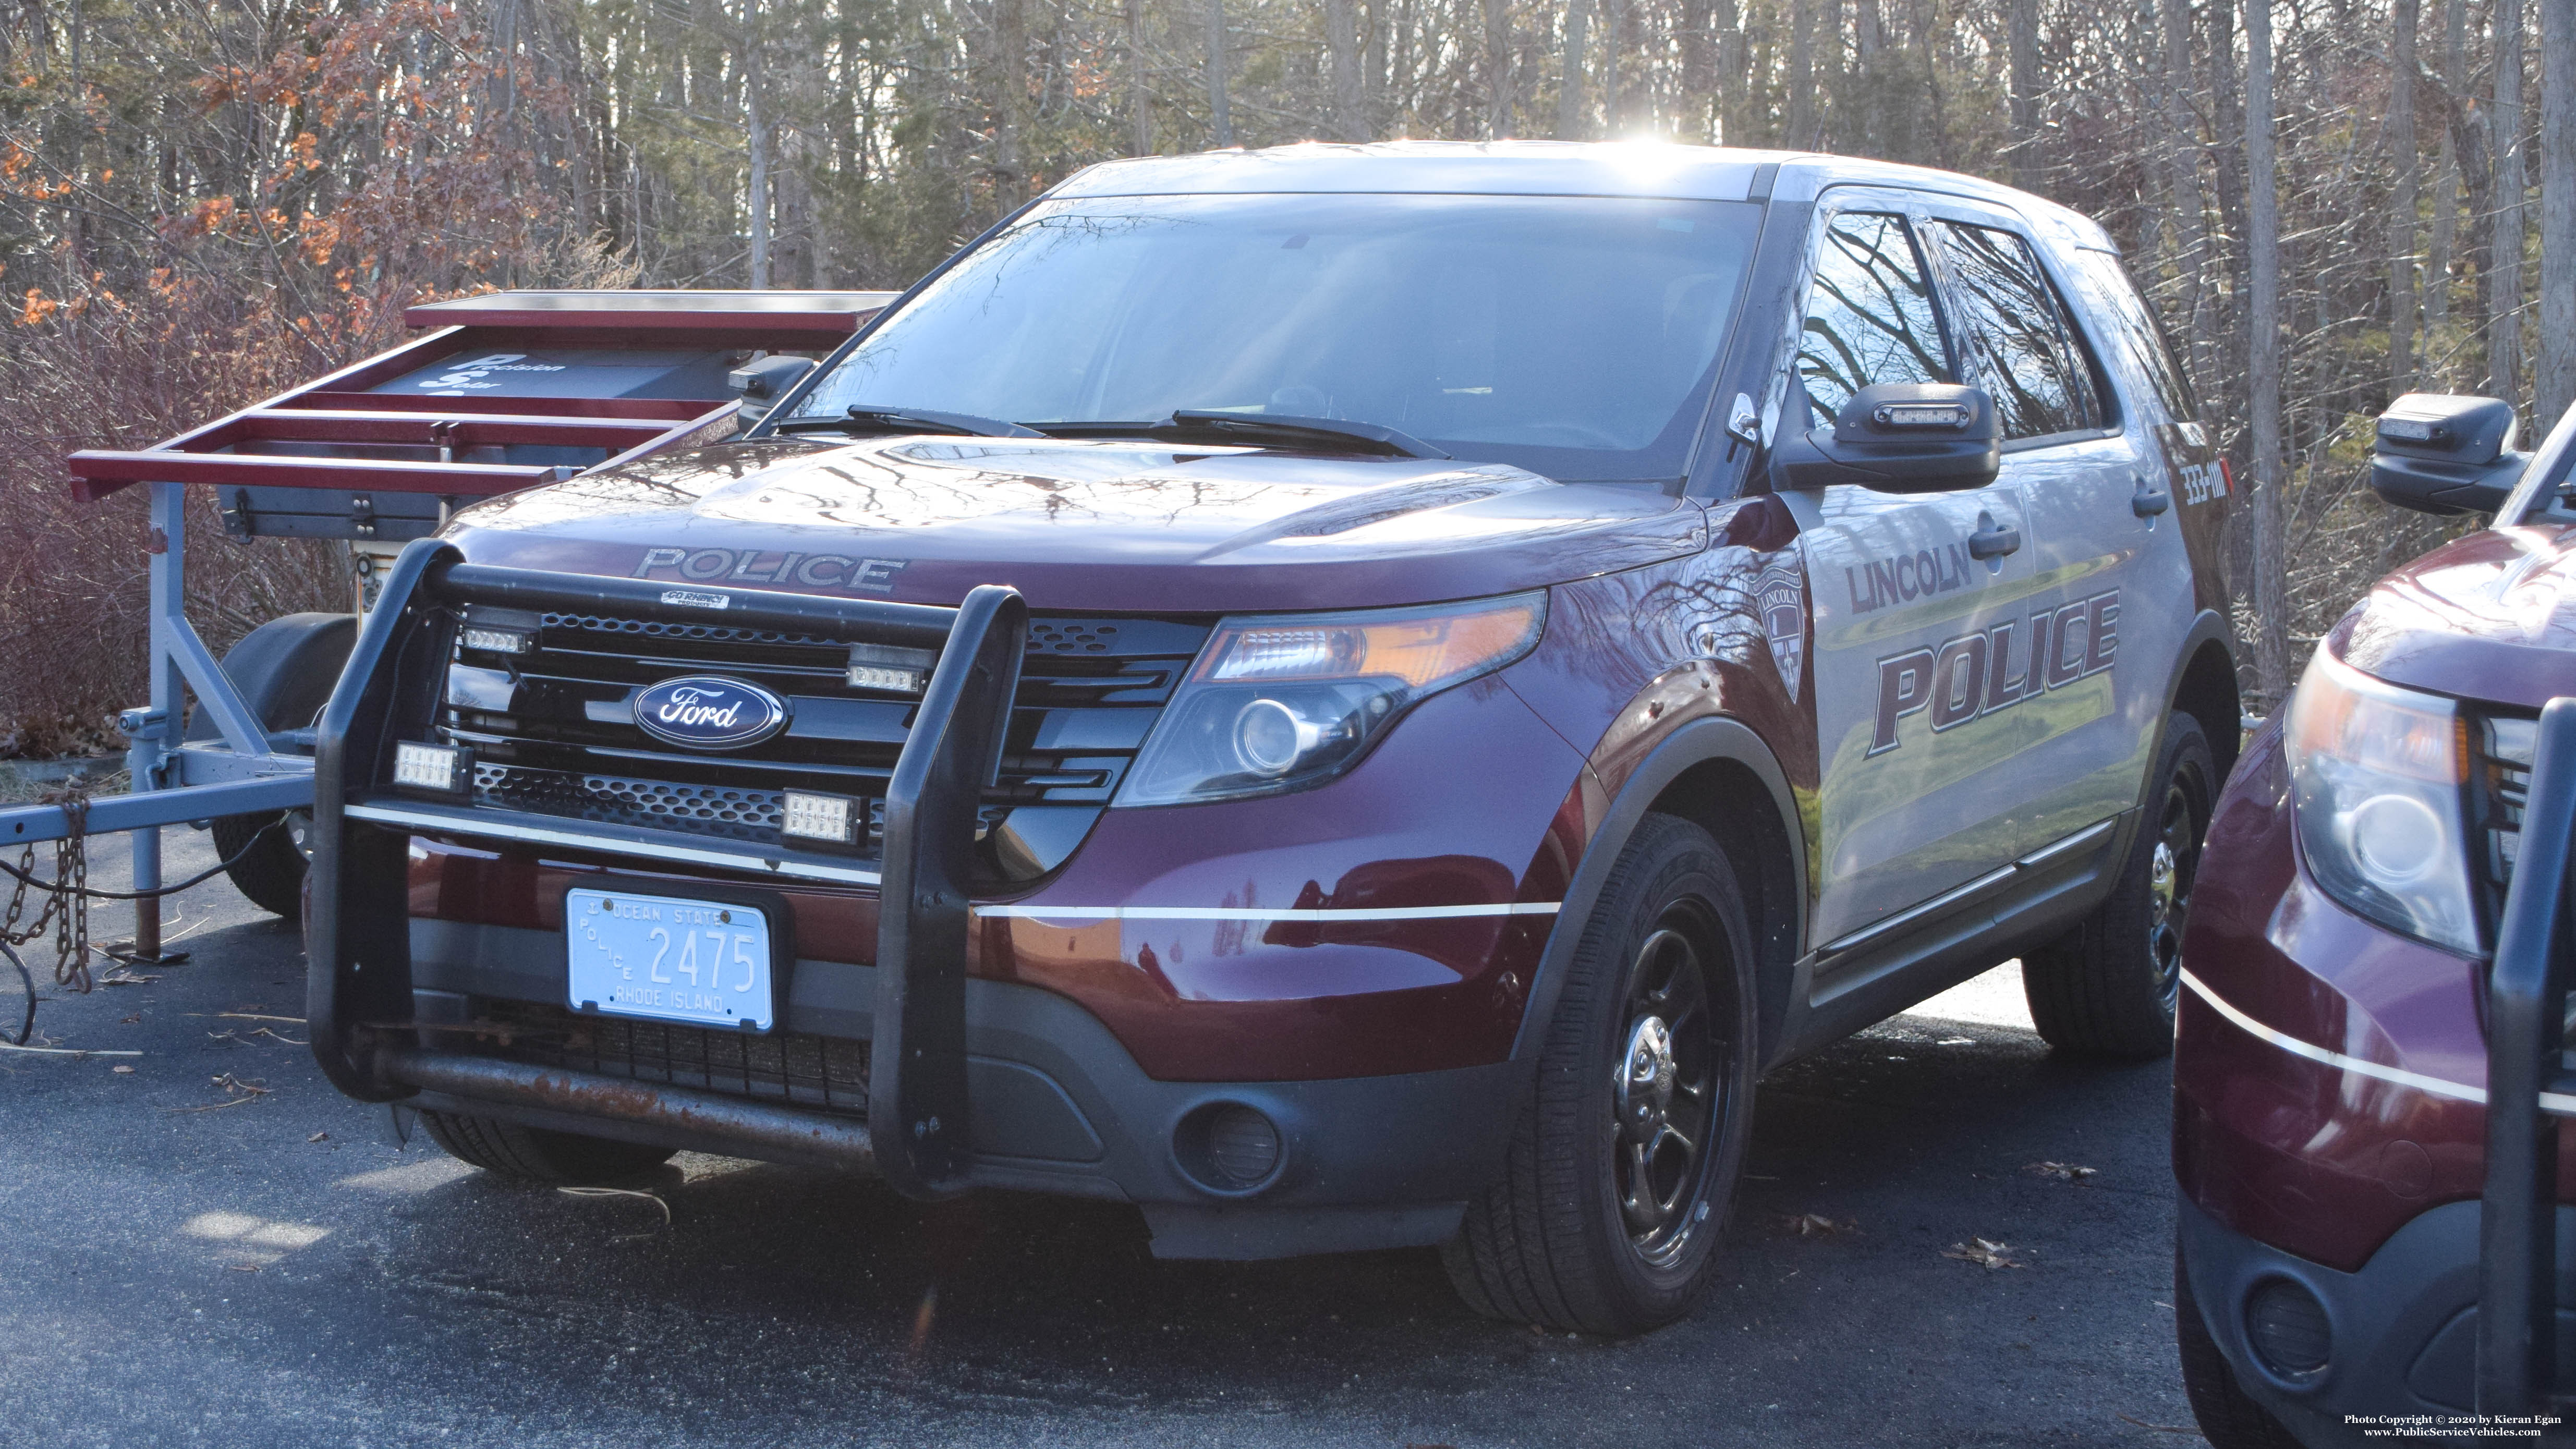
(2435, 453)
(764, 382)
(1898, 437)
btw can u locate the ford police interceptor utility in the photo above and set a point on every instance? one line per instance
(1350, 697)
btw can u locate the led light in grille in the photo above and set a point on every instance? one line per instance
(885, 666)
(829, 819)
(498, 641)
(436, 769)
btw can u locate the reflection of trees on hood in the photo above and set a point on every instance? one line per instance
(1703, 607)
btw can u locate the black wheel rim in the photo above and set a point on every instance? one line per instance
(2173, 859)
(1668, 1087)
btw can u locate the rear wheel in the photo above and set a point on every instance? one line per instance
(534, 1154)
(2229, 1417)
(2108, 987)
(1626, 1151)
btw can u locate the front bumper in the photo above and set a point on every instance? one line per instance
(1059, 1106)
(2404, 1324)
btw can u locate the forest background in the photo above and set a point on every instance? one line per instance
(202, 201)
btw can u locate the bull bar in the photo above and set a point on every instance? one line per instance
(2526, 1014)
(358, 990)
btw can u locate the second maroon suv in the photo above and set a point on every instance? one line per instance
(2353, 988)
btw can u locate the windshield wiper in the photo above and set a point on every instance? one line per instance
(911, 420)
(1263, 430)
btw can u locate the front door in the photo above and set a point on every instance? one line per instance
(1915, 599)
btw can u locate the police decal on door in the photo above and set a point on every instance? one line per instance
(1971, 675)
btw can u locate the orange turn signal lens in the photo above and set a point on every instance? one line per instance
(1422, 648)
(2341, 713)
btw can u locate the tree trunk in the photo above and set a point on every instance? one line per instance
(1498, 68)
(2405, 18)
(1342, 48)
(755, 107)
(2022, 39)
(2194, 258)
(1699, 65)
(1011, 94)
(1569, 92)
(2446, 181)
(1140, 85)
(1801, 118)
(2505, 155)
(2557, 378)
(2263, 371)
(1218, 117)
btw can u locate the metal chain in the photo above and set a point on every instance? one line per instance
(65, 908)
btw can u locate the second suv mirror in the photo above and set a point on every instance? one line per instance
(764, 382)
(1898, 437)
(2435, 453)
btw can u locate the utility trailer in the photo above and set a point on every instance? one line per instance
(504, 391)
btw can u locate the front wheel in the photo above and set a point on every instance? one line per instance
(1627, 1148)
(534, 1154)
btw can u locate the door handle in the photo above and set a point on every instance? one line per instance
(1993, 540)
(2149, 500)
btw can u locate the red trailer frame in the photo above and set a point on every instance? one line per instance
(350, 447)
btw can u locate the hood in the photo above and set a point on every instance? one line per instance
(2488, 617)
(1079, 525)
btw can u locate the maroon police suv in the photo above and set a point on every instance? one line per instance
(2376, 1226)
(1349, 697)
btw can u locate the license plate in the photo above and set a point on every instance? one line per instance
(669, 958)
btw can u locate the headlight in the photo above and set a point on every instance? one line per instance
(2378, 773)
(1281, 702)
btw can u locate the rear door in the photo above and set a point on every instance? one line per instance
(1910, 804)
(2080, 667)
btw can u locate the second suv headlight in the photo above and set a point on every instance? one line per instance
(1281, 702)
(2378, 774)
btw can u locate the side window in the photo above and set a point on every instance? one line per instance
(2141, 335)
(2013, 335)
(1869, 317)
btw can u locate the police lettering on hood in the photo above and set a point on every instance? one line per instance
(762, 566)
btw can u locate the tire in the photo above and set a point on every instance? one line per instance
(2229, 1417)
(284, 670)
(1662, 979)
(2107, 988)
(533, 1154)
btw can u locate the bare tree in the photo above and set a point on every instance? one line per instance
(1498, 68)
(2263, 371)
(1342, 49)
(2509, 163)
(2404, 20)
(1220, 119)
(2022, 39)
(2557, 380)
(2446, 175)
(1569, 94)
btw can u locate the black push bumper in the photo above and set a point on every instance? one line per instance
(359, 969)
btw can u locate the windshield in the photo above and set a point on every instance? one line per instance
(1572, 336)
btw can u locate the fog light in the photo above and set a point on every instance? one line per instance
(885, 666)
(825, 819)
(498, 641)
(1228, 1147)
(2288, 1329)
(433, 769)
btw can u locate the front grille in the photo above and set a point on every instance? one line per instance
(2504, 785)
(553, 733)
(798, 1068)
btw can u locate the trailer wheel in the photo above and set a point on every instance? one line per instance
(1625, 1156)
(2108, 987)
(2229, 1417)
(533, 1154)
(284, 670)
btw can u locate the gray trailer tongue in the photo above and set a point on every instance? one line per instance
(506, 391)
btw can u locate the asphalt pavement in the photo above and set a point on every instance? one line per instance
(215, 1248)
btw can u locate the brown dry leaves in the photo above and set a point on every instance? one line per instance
(1985, 1253)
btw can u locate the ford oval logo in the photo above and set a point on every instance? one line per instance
(706, 712)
